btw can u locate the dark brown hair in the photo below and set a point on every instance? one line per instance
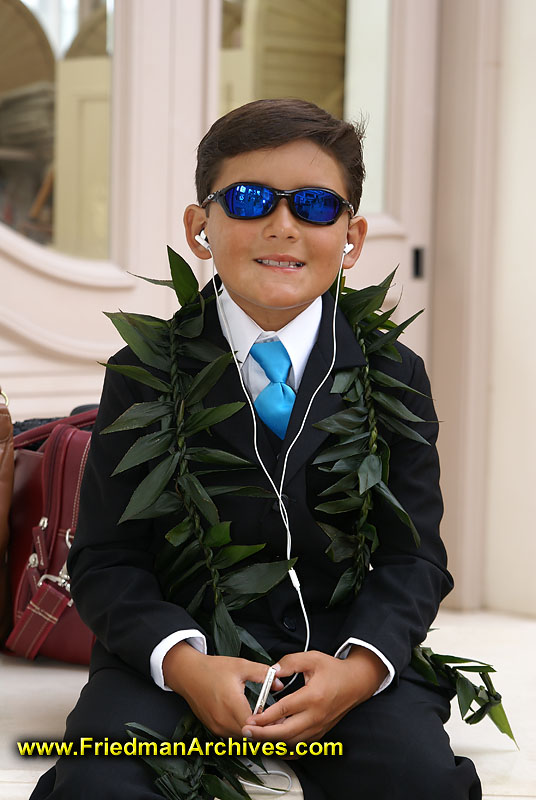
(271, 123)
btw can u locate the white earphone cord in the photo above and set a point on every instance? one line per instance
(282, 510)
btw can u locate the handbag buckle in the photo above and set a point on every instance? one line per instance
(62, 580)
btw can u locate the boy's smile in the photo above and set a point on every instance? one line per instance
(275, 266)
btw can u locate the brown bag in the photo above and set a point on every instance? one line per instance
(6, 491)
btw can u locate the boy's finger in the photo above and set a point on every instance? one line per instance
(293, 729)
(296, 662)
(257, 672)
(286, 707)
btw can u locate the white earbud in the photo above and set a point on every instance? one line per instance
(348, 247)
(202, 239)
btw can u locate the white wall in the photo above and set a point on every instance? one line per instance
(511, 508)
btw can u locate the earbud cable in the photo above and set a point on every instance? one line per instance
(282, 510)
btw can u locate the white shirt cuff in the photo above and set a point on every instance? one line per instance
(194, 638)
(344, 649)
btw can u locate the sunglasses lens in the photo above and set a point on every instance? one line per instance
(249, 200)
(316, 205)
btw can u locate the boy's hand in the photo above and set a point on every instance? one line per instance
(213, 686)
(332, 687)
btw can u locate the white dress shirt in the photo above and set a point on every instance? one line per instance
(298, 337)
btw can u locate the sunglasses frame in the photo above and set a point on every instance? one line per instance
(219, 197)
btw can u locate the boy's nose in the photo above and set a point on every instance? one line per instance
(282, 222)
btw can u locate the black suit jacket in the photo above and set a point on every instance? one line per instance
(112, 566)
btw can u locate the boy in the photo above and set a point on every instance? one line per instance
(277, 253)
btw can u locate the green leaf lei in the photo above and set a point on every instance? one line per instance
(200, 544)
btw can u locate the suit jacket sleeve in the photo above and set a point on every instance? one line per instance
(112, 579)
(401, 594)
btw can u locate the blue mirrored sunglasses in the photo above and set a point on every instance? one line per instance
(254, 200)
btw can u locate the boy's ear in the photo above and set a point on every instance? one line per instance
(357, 231)
(195, 220)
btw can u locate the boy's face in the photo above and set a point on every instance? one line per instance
(274, 295)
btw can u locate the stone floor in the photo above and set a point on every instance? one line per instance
(35, 698)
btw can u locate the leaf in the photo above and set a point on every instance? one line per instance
(498, 716)
(478, 715)
(218, 535)
(140, 415)
(191, 320)
(330, 530)
(340, 506)
(200, 349)
(193, 489)
(148, 734)
(139, 374)
(370, 472)
(420, 663)
(359, 303)
(225, 635)
(396, 407)
(240, 491)
(146, 448)
(390, 351)
(387, 338)
(343, 422)
(171, 787)
(343, 379)
(249, 583)
(374, 320)
(446, 659)
(146, 350)
(344, 465)
(397, 426)
(387, 380)
(184, 281)
(206, 379)
(151, 486)
(167, 503)
(180, 533)
(346, 482)
(339, 451)
(217, 788)
(400, 512)
(155, 281)
(341, 548)
(195, 603)
(201, 420)
(153, 328)
(234, 553)
(344, 587)
(184, 575)
(480, 669)
(466, 692)
(210, 456)
(249, 641)
(186, 556)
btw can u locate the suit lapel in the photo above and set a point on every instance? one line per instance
(349, 354)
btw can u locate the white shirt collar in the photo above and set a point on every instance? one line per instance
(299, 336)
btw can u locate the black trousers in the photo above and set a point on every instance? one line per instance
(395, 746)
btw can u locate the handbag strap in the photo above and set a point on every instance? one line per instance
(41, 615)
(42, 432)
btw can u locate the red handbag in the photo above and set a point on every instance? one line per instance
(43, 518)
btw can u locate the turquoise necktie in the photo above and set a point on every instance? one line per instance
(274, 404)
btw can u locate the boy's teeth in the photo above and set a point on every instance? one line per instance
(270, 263)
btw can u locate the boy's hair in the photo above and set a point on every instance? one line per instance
(265, 124)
